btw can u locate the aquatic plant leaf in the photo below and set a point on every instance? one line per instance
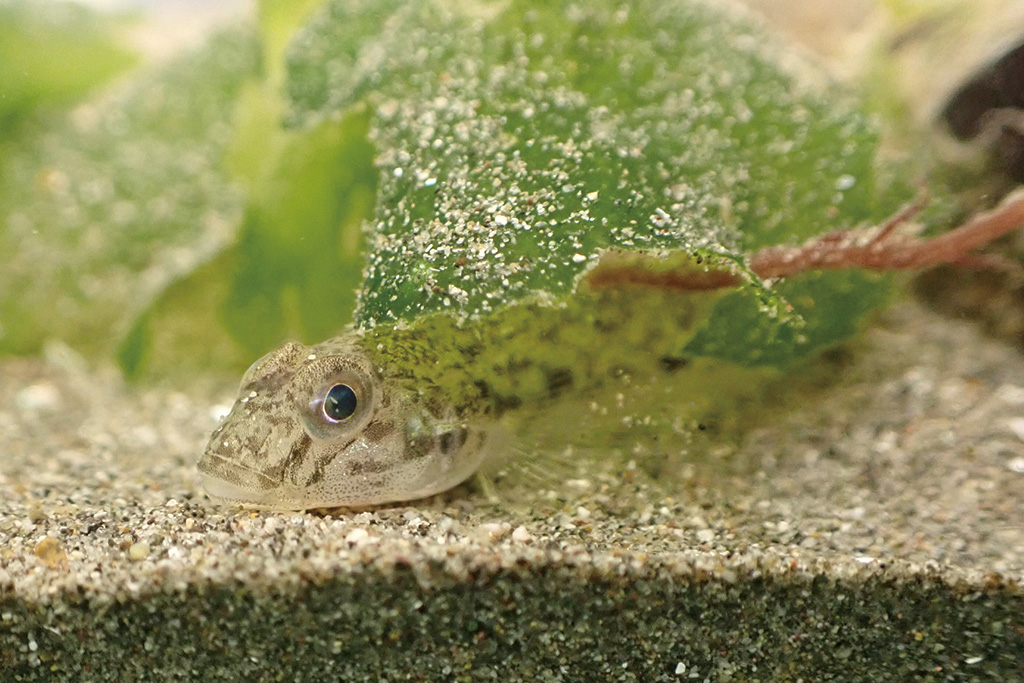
(38, 41)
(298, 257)
(518, 142)
(497, 151)
(102, 211)
(295, 266)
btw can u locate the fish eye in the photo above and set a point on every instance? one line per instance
(339, 403)
(336, 400)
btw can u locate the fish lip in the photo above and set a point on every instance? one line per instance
(225, 480)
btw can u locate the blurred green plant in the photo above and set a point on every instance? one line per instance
(295, 263)
(51, 54)
(117, 198)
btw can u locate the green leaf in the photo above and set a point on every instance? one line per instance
(119, 199)
(335, 58)
(298, 256)
(279, 20)
(296, 264)
(52, 53)
(519, 141)
(497, 151)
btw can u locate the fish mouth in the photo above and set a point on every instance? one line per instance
(226, 480)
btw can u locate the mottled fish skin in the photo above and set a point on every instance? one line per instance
(277, 448)
(430, 397)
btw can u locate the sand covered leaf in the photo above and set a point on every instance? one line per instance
(517, 142)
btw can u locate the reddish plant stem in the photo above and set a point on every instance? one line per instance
(872, 249)
(612, 276)
(882, 250)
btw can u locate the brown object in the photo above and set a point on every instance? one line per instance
(879, 248)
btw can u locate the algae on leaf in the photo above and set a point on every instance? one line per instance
(517, 142)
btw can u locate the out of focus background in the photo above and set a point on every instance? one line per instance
(166, 26)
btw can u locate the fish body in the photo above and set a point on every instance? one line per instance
(401, 412)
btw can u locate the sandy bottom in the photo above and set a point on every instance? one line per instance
(875, 533)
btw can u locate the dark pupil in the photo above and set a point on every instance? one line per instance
(340, 402)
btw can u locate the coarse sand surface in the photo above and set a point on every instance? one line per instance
(875, 532)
